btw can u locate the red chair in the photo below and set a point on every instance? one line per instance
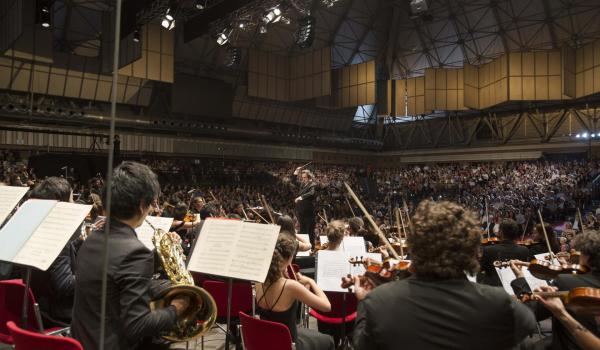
(331, 322)
(27, 340)
(241, 300)
(11, 303)
(264, 335)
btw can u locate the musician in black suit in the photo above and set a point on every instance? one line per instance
(305, 208)
(505, 250)
(588, 244)
(438, 308)
(129, 320)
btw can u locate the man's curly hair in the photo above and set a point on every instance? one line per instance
(444, 242)
(588, 243)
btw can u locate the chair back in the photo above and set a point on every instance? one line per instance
(337, 304)
(27, 340)
(264, 335)
(11, 304)
(241, 296)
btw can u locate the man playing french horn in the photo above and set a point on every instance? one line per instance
(129, 320)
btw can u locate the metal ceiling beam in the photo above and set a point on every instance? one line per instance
(369, 27)
(339, 23)
(502, 31)
(550, 23)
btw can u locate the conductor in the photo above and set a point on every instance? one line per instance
(304, 202)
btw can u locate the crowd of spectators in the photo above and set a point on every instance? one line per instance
(507, 189)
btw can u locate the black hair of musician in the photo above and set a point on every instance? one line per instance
(444, 242)
(56, 188)
(179, 211)
(234, 216)
(510, 229)
(133, 184)
(355, 224)
(286, 223)
(284, 250)
(554, 245)
(588, 244)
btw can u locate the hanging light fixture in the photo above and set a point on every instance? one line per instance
(273, 15)
(223, 36)
(305, 34)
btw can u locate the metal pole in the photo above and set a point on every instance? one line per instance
(229, 297)
(25, 309)
(109, 173)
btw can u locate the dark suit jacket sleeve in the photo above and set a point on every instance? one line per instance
(362, 334)
(524, 320)
(62, 277)
(133, 280)
(310, 192)
(520, 287)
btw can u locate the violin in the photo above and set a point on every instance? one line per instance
(526, 242)
(546, 270)
(378, 273)
(584, 300)
(189, 217)
(490, 241)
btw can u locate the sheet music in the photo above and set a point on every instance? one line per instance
(145, 231)
(542, 257)
(507, 276)
(9, 198)
(254, 252)
(236, 249)
(42, 248)
(350, 244)
(354, 245)
(22, 225)
(333, 265)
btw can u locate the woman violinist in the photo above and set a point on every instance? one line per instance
(588, 244)
(278, 298)
(539, 245)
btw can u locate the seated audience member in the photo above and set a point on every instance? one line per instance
(437, 307)
(278, 298)
(505, 250)
(54, 288)
(588, 244)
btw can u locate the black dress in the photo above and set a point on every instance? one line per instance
(305, 339)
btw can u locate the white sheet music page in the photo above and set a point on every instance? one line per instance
(22, 225)
(145, 231)
(9, 198)
(236, 249)
(215, 245)
(331, 267)
(42, 248)
(253, 252)
(354, 245)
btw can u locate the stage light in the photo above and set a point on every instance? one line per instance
(169, 15)
(241, 25)
(272, 16)
(578, 136)
(136, 35)
(200, 5)
(593, 135)
(223, 37)
(44, 16)
(306, 32)
(585, 135)
(263, 29)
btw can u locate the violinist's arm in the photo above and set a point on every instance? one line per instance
(314, 298)
(521, 287)
(185, 226)
(584, 338)
(303, 245)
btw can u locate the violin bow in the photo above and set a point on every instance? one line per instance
(407, 212)
(525, 227)
(325, 216)
(545, 235)
(243, 211)
(267, 208)
(580, 220)
(398, 221)
(260, 216)
(487, 219)
(366, 213)
(349, 206)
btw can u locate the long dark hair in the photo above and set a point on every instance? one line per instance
(284, 250)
